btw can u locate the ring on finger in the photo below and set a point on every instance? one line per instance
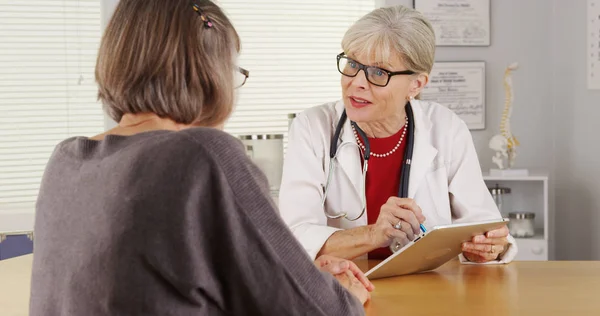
(399, 225)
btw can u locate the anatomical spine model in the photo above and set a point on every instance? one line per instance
(505, 143)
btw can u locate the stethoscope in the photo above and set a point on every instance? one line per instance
(405, 169)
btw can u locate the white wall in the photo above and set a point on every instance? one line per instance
(575, 128)
(518, 34)
(554, 115)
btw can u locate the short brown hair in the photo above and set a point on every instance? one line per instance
(157, 56)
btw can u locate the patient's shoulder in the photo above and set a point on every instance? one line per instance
(215, 142)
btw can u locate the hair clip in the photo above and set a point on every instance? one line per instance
(207, 22)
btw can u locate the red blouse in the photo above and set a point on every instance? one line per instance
(383, 179)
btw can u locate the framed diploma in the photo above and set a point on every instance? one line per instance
(461, 87)
(458, 22)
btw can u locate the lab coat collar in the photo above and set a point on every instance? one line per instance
(349, 157)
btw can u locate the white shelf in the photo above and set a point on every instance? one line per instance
(539, 235)
(529, 194)
(533, 176)
(532, 249)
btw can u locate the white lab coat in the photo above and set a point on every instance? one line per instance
(445, 179)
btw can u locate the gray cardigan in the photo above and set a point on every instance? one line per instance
(169, 223)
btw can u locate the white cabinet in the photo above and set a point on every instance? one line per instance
(529, 194)
(532, 249)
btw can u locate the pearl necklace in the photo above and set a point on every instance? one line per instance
(359, 142)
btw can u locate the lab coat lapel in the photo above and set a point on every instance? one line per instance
(423, 152)
(349, 155)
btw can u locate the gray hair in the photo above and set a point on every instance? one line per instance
(390, 31)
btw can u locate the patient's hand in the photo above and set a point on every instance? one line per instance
(348, 274)
(335, 266)
(354, 286)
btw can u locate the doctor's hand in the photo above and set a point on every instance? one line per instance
(399, 219)
(486, 248)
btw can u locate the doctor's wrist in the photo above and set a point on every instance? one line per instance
(371, 236)
(375, 238)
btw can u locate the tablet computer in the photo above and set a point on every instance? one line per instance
(432, 249)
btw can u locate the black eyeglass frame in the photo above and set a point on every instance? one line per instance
(366, 68)
(246, 74)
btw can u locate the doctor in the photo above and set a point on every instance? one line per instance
(362, 174)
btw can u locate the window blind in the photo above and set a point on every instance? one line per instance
(289, 47)
(48, 93)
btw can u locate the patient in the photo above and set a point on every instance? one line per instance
(164, 214)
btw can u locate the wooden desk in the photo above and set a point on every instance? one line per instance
(519, 288)
(15, 276)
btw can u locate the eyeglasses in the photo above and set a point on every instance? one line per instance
(375, 75)
(241, 76)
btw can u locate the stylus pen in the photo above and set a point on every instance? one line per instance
(423, 228)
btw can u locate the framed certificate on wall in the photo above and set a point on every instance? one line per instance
(458, 22)
(461, 87)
